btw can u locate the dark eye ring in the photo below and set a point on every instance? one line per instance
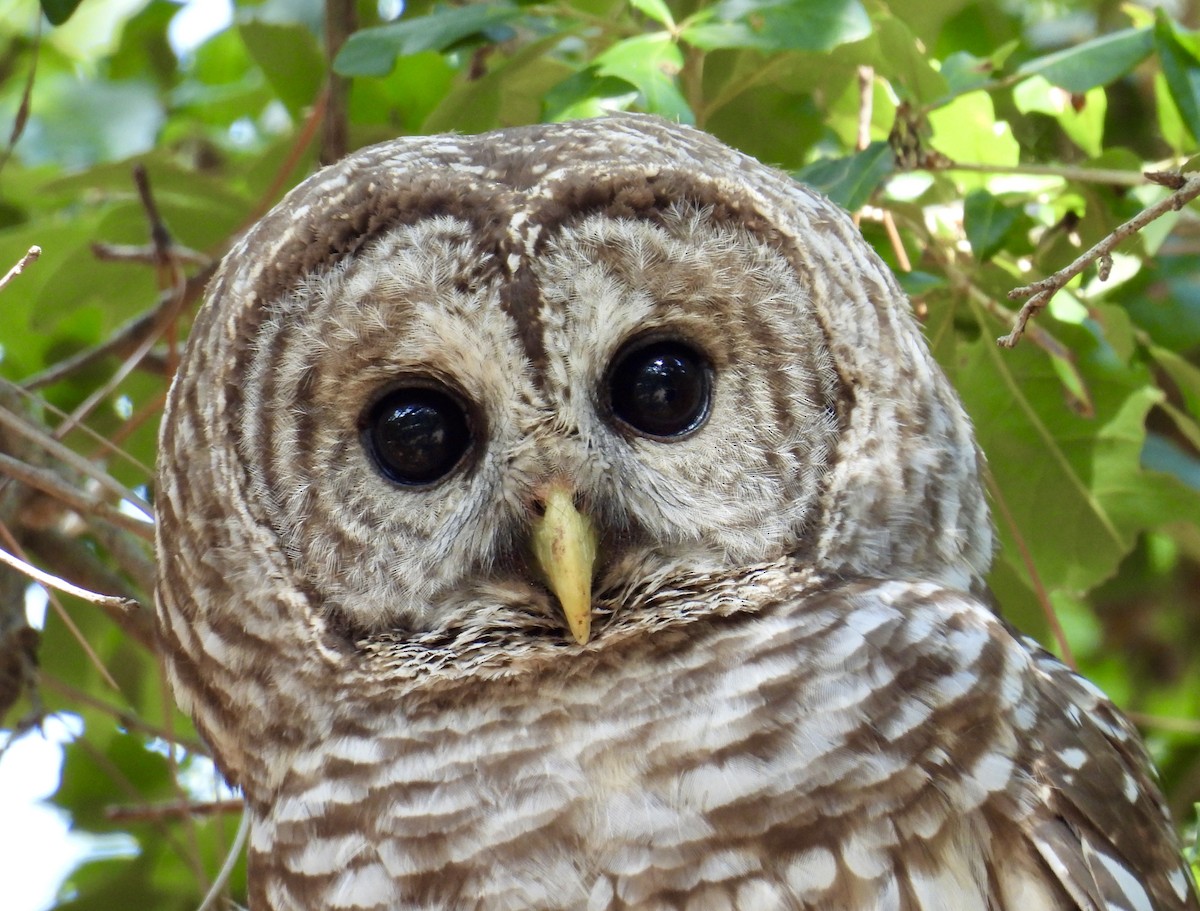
(660, 388)
(417, 434)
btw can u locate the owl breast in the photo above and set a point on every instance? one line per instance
(765, 765)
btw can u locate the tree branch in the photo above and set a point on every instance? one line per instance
(31, 256)
(1040, 292)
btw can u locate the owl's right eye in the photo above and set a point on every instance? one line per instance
(661, 388)
(416, 435)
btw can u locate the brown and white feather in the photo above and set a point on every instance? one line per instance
(795, 695)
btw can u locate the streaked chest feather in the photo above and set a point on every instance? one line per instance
(781, 779)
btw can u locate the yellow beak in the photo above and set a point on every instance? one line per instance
(564, 544)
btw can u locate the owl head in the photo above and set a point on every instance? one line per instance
(460, 404)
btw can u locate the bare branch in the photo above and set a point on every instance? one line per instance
(1108, 176)
(341, 20)
(31, 256)
(175, 809)
(147, 255)
(127, 718)
(26, 105)
(62, 585)
(226, 871)
(130, 335)
(49, 482)
(1040, 292)
(35, 434)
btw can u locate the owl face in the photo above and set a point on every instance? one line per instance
(439, 361)
(661, 367)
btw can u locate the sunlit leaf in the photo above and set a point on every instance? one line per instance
(289, 57)
(373, 51)
(588, 94)
(1181, 68)
(59, 11)
(1081, 115)
(1091, 425)
(1097, 62)
(650, 63)
(771, 25)
(850, 181)
(967, 130)
(656, 10)
(987, 222)
(1050, 461)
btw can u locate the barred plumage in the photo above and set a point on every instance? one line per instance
(792, 694)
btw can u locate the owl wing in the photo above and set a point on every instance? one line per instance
(1099, 821)
(1037, 793)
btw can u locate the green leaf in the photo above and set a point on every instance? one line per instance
(649, 62)
(588, 94)
(904, 62)
(373, 51)
(775, 25)
(964, 71)
(1073, 485)
(59, 11)
(290, 59)
(509, 92)
(1081, 116)
(1097, 62)
(967, 130)
(850, 181)
(1181, 69)
(1183, 373)
(656, 10)
(987, 222)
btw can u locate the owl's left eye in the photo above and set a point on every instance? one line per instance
(661, 388)
(416, 435)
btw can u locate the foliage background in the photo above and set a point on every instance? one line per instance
(983, 144)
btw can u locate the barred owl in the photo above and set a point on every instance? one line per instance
(573, 517)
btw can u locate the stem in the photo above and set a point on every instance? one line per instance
(1042, 291)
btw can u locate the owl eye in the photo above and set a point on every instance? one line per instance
(661, 389)
(416, 435)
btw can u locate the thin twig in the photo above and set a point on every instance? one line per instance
(7, 539)
(103, 444)
(125, 718)
(866, 105)
(106, 765)
(1107, 176)
(26, 105)
(341, 20)
(1040, 292)
(128, 336)
(1158, 722)
(128, 552)
(146, 255)
(127, 366)
(160, 236)
(35, 434)
(692, 79)
(231, 859)
(51, 483)
(72, 558)
(170, 276)
(303, 140)
(34, 252)
(889, 225)
(62, 585)
(175, 809)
